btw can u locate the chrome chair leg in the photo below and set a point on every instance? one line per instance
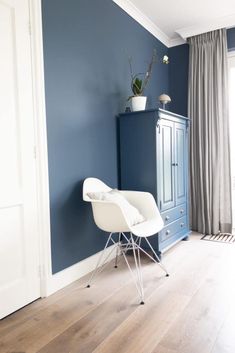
(137, 276)
(138, 268)
(141, 276)
(157, 257)
(101, 264)
(132, 274)
(121, 249)
(146, 253)
(118, 250)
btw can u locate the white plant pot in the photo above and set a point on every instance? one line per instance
(138, 103)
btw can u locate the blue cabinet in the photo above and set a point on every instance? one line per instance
(165, 160)
(180, 163)
(154, 158)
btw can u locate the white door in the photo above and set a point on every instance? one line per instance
(19, 254)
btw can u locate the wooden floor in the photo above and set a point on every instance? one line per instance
(192, 311)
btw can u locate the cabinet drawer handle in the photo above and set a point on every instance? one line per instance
(167, 218)
(182, 211)
(168, 232)
(181, 225)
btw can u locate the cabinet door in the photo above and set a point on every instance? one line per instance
(180, 163)
(165, 169)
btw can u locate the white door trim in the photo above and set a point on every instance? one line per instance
(35, 28)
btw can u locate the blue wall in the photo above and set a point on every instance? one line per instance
(231, 39)
(86, 45)
(178, 84)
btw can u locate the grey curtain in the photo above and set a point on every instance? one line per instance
(210, 181)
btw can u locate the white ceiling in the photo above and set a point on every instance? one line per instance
(174, 18)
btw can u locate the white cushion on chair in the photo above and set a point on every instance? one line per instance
(132, 214)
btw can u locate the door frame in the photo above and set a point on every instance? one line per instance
(41, 152)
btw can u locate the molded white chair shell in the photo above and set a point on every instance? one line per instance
(110, 217)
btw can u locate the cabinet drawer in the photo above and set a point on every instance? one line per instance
(173, 214)
(173, 228)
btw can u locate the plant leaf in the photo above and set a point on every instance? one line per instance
(137, 86)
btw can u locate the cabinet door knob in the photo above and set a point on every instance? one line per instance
(182, 211)
(168, 232)
(167, 218)
(181, 225)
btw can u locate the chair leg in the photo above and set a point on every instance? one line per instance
(140, 270)
(136, 254)
(138, 280)
(101, 264)
(117, 250)
(157, 257)
(127, 245)
(133, 245)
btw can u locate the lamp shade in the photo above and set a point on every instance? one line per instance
(164, 98)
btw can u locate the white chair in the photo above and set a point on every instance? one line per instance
(109, 217)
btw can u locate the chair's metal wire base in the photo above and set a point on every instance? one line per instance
(130, 243)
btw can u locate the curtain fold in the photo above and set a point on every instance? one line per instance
(210, 177)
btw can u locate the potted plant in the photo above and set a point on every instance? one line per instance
(139, 82)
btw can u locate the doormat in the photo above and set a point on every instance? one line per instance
(220, 238)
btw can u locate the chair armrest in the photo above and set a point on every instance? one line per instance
(144, 202)
(109, 217)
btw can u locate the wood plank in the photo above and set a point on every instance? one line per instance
(192, 311)
(225, 341)
(32, 334)
(86, 335)
(144, 329)
(93, 328)
(198, 326)
(161, 349)
(24, 329)
(31, 331)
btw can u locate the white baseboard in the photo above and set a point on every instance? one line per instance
(73, 273)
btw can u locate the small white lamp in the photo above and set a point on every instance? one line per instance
(164, 99)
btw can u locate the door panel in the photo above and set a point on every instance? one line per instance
(11, 226)
(180, 165)
(19, 258)
(165, 163)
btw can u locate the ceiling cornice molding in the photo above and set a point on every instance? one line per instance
(176, 41)
(144, 21)
(184, 33)
(223, 22)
